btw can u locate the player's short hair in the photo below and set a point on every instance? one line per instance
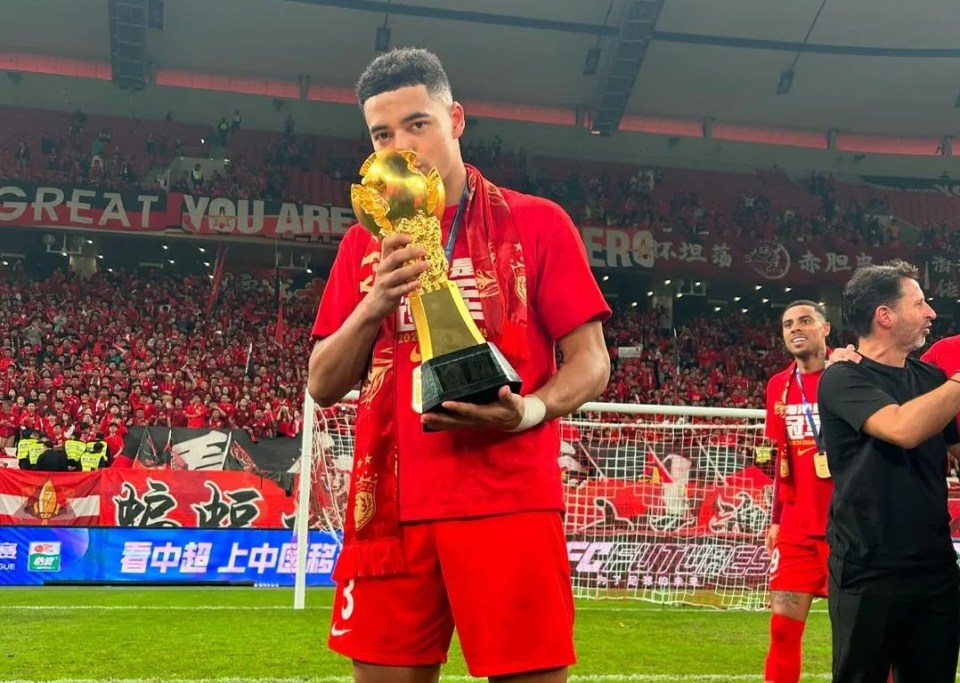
(807, 302)
(871, 287)
(403, 67)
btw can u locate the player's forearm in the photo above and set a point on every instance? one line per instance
(924, 416)
(582, 377)
(338, 362)
(776, 507)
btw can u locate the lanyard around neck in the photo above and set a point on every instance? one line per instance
(455, 228)
(808, 411)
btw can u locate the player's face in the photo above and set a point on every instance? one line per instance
(409, 118)
(914, 316)
(804, 331)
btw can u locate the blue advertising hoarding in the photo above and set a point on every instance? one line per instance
(37, 555)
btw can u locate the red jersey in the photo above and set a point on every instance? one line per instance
(262, 428)
(805, 496)
(945, 354)
(178, 417)
(218, 423)
(9, 421)
(196, 416)
(114, 444)
(72, 405)
(456, 474)
(32, 421)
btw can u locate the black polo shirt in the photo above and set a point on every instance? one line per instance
(888, 514)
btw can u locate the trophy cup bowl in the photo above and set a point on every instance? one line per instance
(394, 197)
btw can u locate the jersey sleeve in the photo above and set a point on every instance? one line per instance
(847, 393)
(342, 291)
(567, 294)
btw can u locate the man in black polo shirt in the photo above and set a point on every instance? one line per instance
(887, 423)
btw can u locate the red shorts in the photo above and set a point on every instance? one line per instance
(798, 564)
(504, 581)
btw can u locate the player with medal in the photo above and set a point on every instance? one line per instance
(796, 539)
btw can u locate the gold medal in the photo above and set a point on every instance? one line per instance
(417, 391)
(784, 467)
(821, 466)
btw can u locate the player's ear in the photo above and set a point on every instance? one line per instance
(459, 119)
(826, 329)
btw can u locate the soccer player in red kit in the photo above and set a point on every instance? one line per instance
(434, 516)
(802, 489)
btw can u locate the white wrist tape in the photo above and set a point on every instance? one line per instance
(534, 410)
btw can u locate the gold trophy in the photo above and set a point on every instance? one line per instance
(458, 363)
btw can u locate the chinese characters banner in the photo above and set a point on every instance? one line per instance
(747, 259)
(37, 555)
(210, 500)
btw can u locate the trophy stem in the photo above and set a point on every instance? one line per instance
(443, 322)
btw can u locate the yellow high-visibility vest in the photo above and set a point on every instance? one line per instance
(75, 449)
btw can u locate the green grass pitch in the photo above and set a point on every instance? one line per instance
(238, 635)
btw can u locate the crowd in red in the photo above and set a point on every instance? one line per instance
(713, 361)
(82, 357)
(131, 349)
(121, 350)
(116, 153)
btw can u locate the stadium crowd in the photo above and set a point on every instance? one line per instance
(136, 348)
(86, 357)
(114, 153)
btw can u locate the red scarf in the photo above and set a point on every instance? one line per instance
(371, 535)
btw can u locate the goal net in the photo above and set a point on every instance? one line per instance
(664, 504)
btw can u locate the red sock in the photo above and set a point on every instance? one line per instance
(783, 660)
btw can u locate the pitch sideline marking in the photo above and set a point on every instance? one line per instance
(326, 608)
(574, 678)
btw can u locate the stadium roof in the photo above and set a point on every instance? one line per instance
(883, 66)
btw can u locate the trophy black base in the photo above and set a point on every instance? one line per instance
(471, 375)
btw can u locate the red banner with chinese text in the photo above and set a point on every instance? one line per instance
(172, 498)
(756, 260)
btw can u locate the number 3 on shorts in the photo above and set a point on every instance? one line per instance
(346, 611)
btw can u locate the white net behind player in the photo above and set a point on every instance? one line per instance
(333, 433)
(668, 507)
(664, 504)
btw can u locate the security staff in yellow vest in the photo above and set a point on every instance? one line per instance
(74, 449)
(98, 444)
(93, 457)
(29, 449)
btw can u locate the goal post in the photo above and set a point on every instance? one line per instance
(666, 504)
(304, 486)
